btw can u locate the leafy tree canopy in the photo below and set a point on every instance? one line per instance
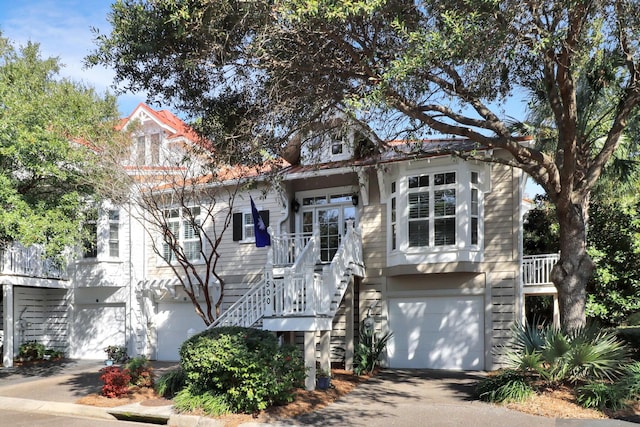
(47, 171)
(257, 71)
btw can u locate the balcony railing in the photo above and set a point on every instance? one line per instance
(287, 247)
(536, 269)
(17, 260)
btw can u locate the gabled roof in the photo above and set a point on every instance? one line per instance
(173, 126)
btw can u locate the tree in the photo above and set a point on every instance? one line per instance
(184, 198)
(49, 131)
(613, 243)
(401, 68)
(201, 208)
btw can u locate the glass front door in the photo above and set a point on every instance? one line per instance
(330, 214)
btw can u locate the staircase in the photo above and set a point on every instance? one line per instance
(296, 293)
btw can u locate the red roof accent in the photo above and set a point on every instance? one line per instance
(166, 117)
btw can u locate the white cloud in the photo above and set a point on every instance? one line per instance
(63, 30)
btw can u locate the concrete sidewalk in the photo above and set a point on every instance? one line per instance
(54, 387)
(392, 398)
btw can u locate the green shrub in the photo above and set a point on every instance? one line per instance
(117, 353)
(630, 381)
(506, 386)
(369, 350)
(170, 383)
(141, 371)
(54, 354)
(243, 364)
(586, 354)
(601, 395)
(207, 402)
(31, 350)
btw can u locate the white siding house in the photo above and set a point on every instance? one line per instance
(427, 245)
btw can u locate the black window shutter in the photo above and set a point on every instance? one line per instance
(265, 217)
(237, 226)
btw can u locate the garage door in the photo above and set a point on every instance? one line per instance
(436, 333)
(97, 327)
(173, 321)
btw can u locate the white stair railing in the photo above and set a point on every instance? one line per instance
(293, 293)
(300, 291)
(250, 308)
(334, 281)
(536, 269)
(269, 296)
(288, 247)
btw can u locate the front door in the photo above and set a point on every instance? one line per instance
(329, 213)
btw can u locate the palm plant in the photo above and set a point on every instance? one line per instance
(555, 356)
(369, 350)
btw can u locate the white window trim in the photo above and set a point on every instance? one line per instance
(161, 261)
(246, 213)
(108, 241)
(102, 237)
(462, 250)
(301, 195)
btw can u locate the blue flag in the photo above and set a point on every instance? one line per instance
(259, 228)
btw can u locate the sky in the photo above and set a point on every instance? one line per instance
(63, 30)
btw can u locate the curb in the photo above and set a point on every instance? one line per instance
(162, 415)
(53, 408)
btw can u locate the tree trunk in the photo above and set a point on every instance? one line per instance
(574, 268)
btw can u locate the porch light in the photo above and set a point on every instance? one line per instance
(295, 205)
(354, 199)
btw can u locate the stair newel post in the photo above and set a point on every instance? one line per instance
(310, 289)
(316, 243)
(324, 294)
(288, 291)
(269, 296)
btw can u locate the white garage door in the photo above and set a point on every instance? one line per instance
(173, 321)
(436, 333)
(97, 327)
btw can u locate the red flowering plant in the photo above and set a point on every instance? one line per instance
(116, 381)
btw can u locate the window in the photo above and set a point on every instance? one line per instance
(394, 218)
(154, 148)
(141, 153)
(114, 233)
(243, 230)
(249, 230)
(90, 238)
(336, 147)
(432, 210)
(475, 208)
(182, 231)
(435, 214)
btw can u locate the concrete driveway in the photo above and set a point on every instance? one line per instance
(426, 398)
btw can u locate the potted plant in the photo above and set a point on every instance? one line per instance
(116, 354)
(323, 379)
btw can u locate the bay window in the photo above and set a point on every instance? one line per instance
(434, 213)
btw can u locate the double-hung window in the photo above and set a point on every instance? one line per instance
(182, 234)
(419, 212)
(114, 233)
(431, 201)
(90, 237)
(444, 209)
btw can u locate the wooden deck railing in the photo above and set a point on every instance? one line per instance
(536, 269)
